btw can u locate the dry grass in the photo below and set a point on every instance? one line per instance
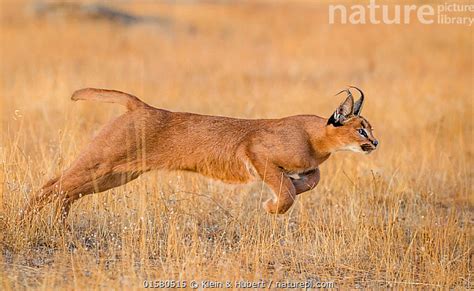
(401, 216)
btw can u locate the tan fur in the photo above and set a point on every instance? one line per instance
(285, 153)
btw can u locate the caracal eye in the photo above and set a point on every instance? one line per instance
(362, 132)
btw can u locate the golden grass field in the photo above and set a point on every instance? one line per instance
(400, 217)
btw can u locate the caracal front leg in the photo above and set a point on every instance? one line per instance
(284, 192)
(306, 181)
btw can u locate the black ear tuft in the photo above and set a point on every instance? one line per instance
(359, 103)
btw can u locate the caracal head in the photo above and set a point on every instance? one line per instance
(354, 132)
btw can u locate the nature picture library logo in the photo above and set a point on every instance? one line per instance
(454, 13)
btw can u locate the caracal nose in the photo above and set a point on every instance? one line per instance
(375, 142)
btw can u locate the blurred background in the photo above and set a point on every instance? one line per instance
(249, 59)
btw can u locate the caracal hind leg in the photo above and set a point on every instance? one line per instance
(114, 157)
(284, 192)
(71, 186)
(90, 184)
(39, 199)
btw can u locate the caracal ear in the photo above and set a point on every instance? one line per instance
(343, 111)
(359, 103)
